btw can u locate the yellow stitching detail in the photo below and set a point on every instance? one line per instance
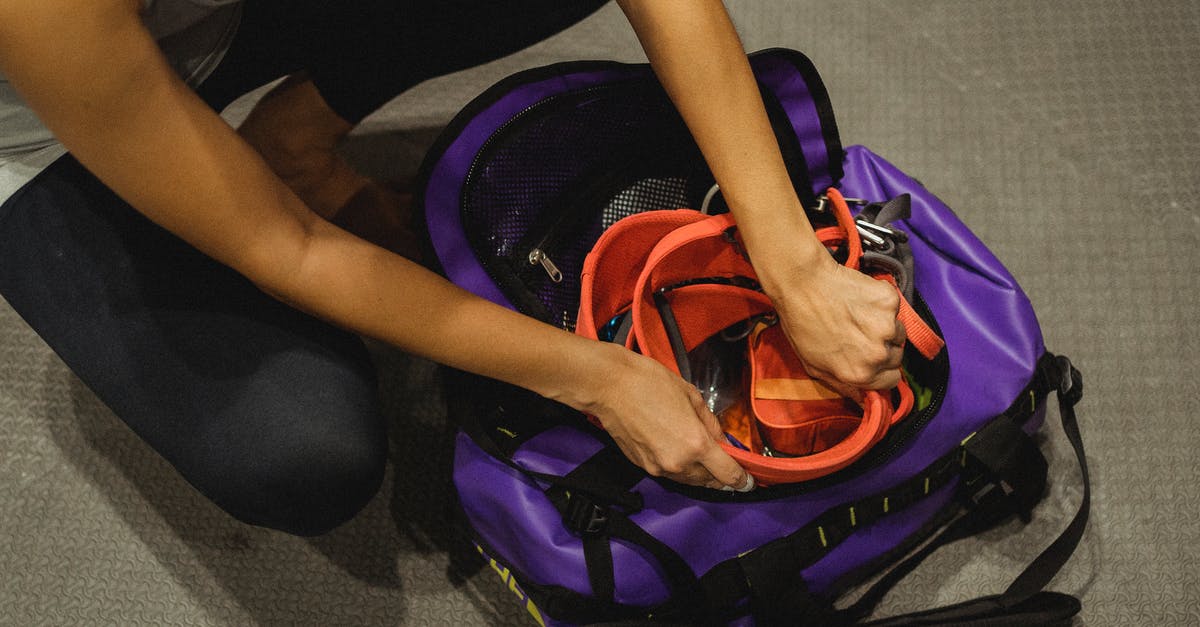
(885, 504)
(853, 518)
(926, 485)
(824, 542)
(963, 459)
(1032, 401)
(967, 439)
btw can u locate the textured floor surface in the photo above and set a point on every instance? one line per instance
(1066, 134)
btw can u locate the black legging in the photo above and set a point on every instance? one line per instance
(267, 411)
(362, 54)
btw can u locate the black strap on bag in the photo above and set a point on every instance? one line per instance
(1025, 602)
(595, 502)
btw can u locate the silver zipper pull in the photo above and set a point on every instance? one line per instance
(536, 256)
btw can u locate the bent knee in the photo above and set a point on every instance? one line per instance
(306, 485)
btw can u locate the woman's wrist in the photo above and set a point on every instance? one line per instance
(588, 373)
(786, 260)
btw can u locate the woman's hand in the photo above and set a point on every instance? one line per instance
(661, 422)
(843, 326)
(842, 323)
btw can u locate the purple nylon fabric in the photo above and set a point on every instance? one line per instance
(991, 331)
(523, 530)
(954, 271)
(495, 497)
(872, 541)
(443, 191)
(989, 326)
(789, 87)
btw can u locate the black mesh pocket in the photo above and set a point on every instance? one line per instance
(556, 175)
(561, 172)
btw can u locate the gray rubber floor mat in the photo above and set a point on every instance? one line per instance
(1066, 134)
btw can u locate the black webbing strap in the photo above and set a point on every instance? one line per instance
(595, 500)
(600, 486)
(590, 518)
(1024, 602)
(778, 594)
(598, 522)
(769, 574)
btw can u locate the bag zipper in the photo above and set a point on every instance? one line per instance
(537, 255)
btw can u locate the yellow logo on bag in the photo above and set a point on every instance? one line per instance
(506, 577)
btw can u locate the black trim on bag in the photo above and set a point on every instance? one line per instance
(726, 586)
(781, 124)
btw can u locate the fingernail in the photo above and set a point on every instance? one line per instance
(748, 485)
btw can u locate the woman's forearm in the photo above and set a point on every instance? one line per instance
(841, 322)
(382, 295)
(699, 59)
(104, 89)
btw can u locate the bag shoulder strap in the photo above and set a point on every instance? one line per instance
(791, 85)
(1025, 601)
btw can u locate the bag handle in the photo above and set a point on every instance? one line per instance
(1025, 601)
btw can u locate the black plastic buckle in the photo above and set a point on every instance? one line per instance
(1070, 382)
(582, 514)
(1011, 468)
(1057, 374)
(993, 497)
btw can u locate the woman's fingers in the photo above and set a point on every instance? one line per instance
(844, 327)
(662, 424)
(717, 464)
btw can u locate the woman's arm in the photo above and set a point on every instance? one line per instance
(842, 323)
(98, 81)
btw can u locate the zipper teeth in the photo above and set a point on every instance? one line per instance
(489, 260)
(935, 405)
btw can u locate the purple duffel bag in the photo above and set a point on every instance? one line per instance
(515, 193)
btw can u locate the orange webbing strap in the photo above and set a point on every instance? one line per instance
(920, 335)
(651, 258)
(693, 250)
(611, 269)
(841, 211)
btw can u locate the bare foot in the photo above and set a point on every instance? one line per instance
(297, 134)
(382, 215)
